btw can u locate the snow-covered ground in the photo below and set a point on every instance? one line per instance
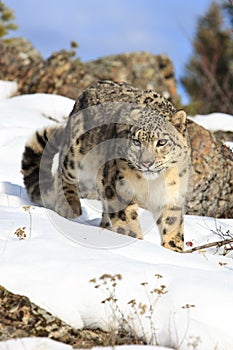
(48, 344)
(54, 264)
(215, 121)
(7, 88)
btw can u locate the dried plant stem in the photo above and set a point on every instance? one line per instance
(27, 208)
(186, 330)
(209, 245)
(30, 223)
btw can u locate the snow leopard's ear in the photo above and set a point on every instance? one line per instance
(179, 120)
(135, 113)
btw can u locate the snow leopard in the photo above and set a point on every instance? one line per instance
(124, 146)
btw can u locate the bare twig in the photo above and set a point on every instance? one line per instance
(27, 209)
(217, 244)
(51, 118)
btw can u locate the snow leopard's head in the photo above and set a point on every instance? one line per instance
(155, 144)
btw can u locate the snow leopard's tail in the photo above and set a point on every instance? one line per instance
(37, 163)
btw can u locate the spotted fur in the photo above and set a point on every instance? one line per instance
(126, 147)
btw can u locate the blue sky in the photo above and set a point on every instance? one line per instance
(105, 27)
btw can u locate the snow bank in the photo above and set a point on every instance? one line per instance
(49, 344)
(50, 106)
(215, 121)
(7, 88)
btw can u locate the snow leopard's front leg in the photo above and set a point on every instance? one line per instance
(124, 221)
(171, 227)
(171, 218)
(68, 203)
(120, 211)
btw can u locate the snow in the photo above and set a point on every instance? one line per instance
(215, 121)
(33, 344)
(7, 88)
(53, 266)
(49, 344)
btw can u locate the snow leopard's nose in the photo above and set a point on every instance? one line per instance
(147, 164)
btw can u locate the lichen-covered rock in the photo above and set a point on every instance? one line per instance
(17, 59)
(212, 181)
(224, 135)
(140, 69)
(65, 75)
(19, 317)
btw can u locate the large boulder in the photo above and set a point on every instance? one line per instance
(212, 179)
(66, 75)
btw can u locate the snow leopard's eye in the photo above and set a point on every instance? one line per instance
(136, 142)
(161, 142)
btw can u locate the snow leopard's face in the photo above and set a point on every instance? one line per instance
(157, 145)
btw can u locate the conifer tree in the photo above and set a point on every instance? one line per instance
(6, 20)
(209, 73)
(228, 8)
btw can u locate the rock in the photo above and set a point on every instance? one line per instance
(65, 75)
(212, 173)
(22, 318)
(224, 135)
(140, 69)
(17, 58)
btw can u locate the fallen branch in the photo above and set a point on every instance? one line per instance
(210, 245)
